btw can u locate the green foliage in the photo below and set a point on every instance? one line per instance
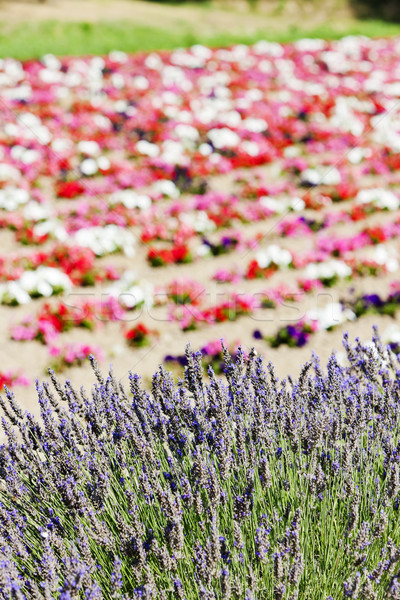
(385, 9)
(32, 40)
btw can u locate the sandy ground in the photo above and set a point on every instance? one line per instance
(226, 15)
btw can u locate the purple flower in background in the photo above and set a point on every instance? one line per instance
(373, 299)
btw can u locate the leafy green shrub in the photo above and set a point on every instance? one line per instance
(385, 9)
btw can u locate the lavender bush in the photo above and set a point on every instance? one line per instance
(242, 488)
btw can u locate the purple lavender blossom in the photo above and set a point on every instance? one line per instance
(197, 489)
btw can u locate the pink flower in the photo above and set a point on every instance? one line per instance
(73, 354)
(22, 380)
(225, 276)
(48, 331)
(23, 332)
(54, 351)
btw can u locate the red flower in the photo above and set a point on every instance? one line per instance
(165, 256)
(358, 213)
(139, 335)
(376, 234)
(69, 189)
(180, 253)
(254, 271)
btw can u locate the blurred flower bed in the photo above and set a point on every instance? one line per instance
(268, 161)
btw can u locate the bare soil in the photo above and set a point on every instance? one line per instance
(234, 16)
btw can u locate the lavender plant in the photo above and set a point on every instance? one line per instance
(245, 487)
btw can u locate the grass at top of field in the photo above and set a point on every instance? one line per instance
(32, 40)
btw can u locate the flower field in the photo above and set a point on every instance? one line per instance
(148, 200)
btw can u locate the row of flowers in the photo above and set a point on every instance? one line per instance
(52, 320)
(62, 267)
(82, 224)
(60, 358)
(333, 314)
(186, 299)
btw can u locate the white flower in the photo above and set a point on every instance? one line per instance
(153, 61)
(88, 167)
(280, 206)
(173, 152)
(186, 132)
(45, 281)
(384, 362)
(89, 147)
(117, 81)
(386, 132)
(392, 335)
(356, 155)
(297, 204)
(51, 62)
(173, 75)
(251, 148)
(27, 157)
(344, 117)
(335, 61)
(140, 82)
(103, 163)
(21, 92)
(269, 48)
(49, 76)
(131, 199)
(118, 56)
(384, 199)
(310, 45)
(203, 250)
(273, 204)
(254, 125)
(327, 270)
(223, 138)
(341, 358)
(11, 198)
(105, 240)
(205, 149)
(62, 144)
(273, 255)
(166, 188)
(12, 293)
(199, 221)
(321, 176)
(331, 315)
(31, 128)
(130, 292)
(8, 173)
(385, 256)
(33, 211)
(201, 51)
(230, 118)
(148, 149)
(53, 227)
